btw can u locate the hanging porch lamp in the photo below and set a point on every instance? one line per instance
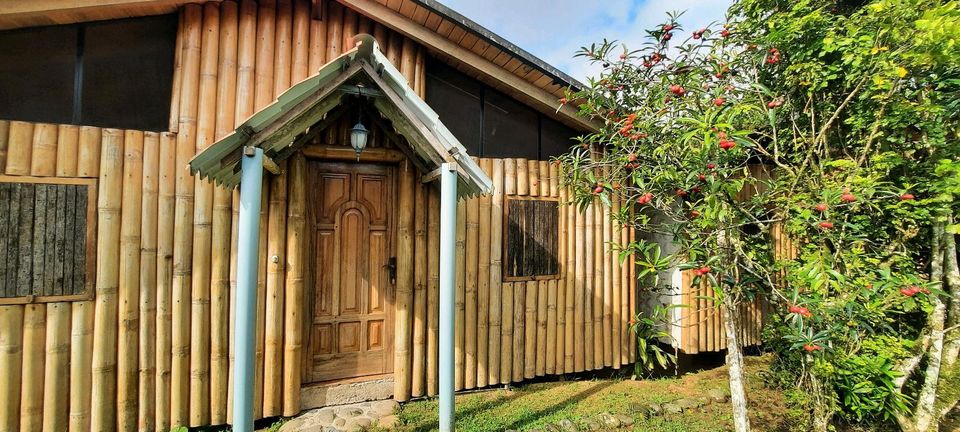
(358, 134)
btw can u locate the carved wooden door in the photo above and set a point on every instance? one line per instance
(351, 330)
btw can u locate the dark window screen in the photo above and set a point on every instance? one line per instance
(110, 73)
(456, 99)
(531, 238)
(510, 129)
(127, 72)
(555, 138)
(37, 74)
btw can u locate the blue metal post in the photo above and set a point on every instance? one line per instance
(448, 226)
(251, 178)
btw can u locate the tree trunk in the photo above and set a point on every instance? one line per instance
(738, 398)
(952, 279)
(925, 414)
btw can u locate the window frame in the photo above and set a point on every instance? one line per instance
(505, 277)
(90, 249)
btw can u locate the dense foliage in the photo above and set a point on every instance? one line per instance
(834, 124)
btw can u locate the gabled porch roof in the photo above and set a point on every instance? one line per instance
(285, 125)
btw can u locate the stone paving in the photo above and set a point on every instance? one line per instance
(345, 418)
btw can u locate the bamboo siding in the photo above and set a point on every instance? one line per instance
(153, 349)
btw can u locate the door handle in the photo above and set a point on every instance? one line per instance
(392, 269)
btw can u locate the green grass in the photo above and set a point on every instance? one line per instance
(535, 405)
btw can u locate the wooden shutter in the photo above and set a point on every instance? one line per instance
(531, 245)
(47, 246)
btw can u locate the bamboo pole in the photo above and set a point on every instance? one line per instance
(227, 72)
(276, 240)
(381, 35)
(178, 54)
(88, 153)
(318, 37)
(598, 309)
(522, 178)
(580, 289)
(11, 366)
(245, 102)
(263, 96)
(633, 287)
(56, 381)
(294, 284)
(43, 157)
(607, 289)
(202, 214)
(543, 178)
(495, 320)
(542, 306)
(533, 178)
(4, 140)
(183, 219)
(300, 68)
(334, 19)
(510, 176)
(129, 277)
(349, 29)
(404, 288)
(418, 370)
(19, 148)
(560, 292)
(616, 279)
(483, 281)
(273, 342)
(148, 279)
(166, 211)
(433, 290)
(530, 329)
(68, 137)
(519, 336)
(470, 295)
(460, 311)
(552, 341)
(588, 277)
(569, 212)
(104, 363)
(625, 313)
(31, 391)
(506, 333)
(81, 349)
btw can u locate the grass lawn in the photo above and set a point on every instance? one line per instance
(534, 406)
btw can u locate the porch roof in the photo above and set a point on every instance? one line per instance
(284, 126)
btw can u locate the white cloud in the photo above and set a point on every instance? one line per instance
(555, 29)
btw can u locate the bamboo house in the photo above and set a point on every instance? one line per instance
(118, 255)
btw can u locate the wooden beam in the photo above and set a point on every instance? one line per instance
(523, 90)
(18, 14)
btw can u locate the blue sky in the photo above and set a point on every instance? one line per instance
(553, 30)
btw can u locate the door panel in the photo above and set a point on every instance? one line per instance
(352, 311)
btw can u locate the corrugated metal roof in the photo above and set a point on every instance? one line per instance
(276, 127)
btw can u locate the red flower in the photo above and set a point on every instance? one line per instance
(667, 36)
(724, 33)
(668, 27)
(826, 225)
(906, 197)
(774, 103)
(677, 90)
(711, 166)
(822, 207)
(623, 56)
(812, 348)
(645, 198)
(727, 144)
(563, 101)
(694, 213)
(910, 291)
(848, 197)
(702, 177)
(719, 101)
(681, 193)
(699, 33)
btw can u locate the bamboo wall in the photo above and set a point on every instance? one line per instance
(701, 323)
(153, 349)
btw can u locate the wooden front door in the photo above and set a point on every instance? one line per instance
(351, 330)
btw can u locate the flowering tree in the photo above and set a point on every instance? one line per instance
(745, 128)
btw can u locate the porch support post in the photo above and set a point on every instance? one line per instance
(448, 227)
(251, 180)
